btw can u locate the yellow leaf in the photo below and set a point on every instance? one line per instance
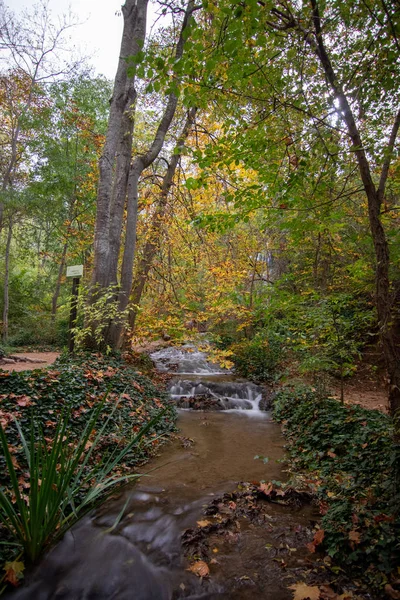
(14, 571)
(204, 523)
(302, 591)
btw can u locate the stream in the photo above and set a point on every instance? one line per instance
(139, 557)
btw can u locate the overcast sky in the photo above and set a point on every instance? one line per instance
(99, 34)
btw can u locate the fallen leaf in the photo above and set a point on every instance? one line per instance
(266, 488)
(204, 523)
(327, 593)
(199, 568)
(24, 401)
(14, 572)
(318, 537)
(354, 536)
(391, 592)
(302, 591)
(331, 454)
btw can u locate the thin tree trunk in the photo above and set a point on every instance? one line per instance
(155, 229)
(8, 176)
(387, 301)
(58, 284)
(6, 280)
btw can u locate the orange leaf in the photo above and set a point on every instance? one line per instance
(354, 536)
(199, 568)
(14, 572)
(266, 488)
(318, 537)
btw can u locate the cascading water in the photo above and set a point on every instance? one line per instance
(203, 384)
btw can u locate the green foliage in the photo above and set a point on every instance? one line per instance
(101, 406)
(63, 481)
(95, 315)
(79, 383)
(350, 454)
(258, 358)
(321, 333)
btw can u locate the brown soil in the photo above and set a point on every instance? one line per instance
(368, 387)
(27, 361)
(361, 394)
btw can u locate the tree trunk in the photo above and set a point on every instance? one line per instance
(387, 300)
(114, 161)
(113, 336)
(6, 281)
(155, 229)
(58, 284)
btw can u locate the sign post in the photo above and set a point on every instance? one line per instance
(76, 273)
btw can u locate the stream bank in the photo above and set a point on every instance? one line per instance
(132, 546)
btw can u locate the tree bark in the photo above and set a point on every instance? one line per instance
(6, 280)
(115, 159)
(56, 294)
(113, 336)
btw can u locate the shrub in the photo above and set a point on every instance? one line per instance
(258, 358)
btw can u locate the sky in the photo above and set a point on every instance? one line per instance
(99, 31)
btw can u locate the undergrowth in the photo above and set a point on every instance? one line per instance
(122, 403)
(349, 457)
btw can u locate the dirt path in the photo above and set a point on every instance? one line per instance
(29, 361)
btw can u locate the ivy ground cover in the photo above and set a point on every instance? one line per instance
(347, 456)
(105, 405)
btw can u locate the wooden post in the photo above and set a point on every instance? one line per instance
(73, 313)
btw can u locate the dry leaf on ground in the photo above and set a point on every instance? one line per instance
(204, 523)
(302, 591)
(266, 488)
(199, 568)
(391, 592)
(14, 571)
(354, 536)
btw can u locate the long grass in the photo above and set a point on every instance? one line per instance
(63, 481)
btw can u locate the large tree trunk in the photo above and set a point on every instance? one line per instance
(115, 159)
(6, 280)
(113, 336)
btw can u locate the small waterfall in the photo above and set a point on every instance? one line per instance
(200, 384)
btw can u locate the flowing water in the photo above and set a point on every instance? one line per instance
(131, 547)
